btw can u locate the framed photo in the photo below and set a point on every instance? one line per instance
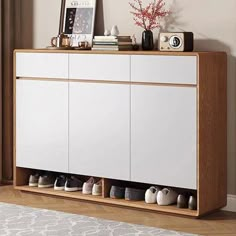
(77, 20)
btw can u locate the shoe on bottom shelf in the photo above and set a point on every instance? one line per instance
(46, 181)
(97, 188)
(60, 183)
(182, 201)
(166, 196)
(192, 203)
(133, 194)
(151, 194)
(117, 192)
(34, 180)
(73, 184)
(88, 186)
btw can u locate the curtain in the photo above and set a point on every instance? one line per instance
(10, 38)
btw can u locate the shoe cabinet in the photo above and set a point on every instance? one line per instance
(131, 118)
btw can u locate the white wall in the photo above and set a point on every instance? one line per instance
(213, 23)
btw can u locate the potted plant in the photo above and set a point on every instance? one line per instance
(148, 18)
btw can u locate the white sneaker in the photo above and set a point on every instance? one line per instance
(166, 196)
(97, 188)
(151, 195)
(87, 186)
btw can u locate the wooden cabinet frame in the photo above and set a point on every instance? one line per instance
(211, 139)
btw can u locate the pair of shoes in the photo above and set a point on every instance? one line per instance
(41, 180)
(166, 196)
(90, 187)
(117, 192)
(151, 194)
(187, 200)
(133, 194)
(130, 194)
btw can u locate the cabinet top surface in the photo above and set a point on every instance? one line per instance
(116, 52)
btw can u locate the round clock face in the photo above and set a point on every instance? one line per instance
(175, 41)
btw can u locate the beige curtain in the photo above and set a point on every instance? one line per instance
(10, 38)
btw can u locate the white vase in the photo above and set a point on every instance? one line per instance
(115, 30)
(107, 32)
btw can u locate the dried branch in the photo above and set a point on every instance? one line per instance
(148, 17)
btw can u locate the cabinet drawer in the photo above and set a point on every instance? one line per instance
(42, 65)
(100, 67)
(164, 69)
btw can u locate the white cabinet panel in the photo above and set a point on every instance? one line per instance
(42, 125)
(99, 130)
(164, 69)
(164, 135)
(42, 65)
(99, 67)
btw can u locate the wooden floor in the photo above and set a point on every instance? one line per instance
(220, 223)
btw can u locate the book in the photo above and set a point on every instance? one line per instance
(105, 46)
(105, 49)
(104, 43)
(124, 43)
(105, 37)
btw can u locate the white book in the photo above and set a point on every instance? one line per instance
(105, 37)
(105, 49)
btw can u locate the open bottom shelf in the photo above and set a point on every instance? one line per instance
(118, 202)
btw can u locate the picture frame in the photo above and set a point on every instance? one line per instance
(77, 20)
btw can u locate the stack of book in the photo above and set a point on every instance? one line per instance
(114, 43)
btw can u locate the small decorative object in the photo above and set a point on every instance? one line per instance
(148, 18)
(134, 43)
(77, 20)
(62, 40)
(181, 41)
(83, 44)
(115, 30)
(107, 32)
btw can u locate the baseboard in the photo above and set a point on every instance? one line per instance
(231, 203)
(6, 182)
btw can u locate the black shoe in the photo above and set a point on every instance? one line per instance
(60, 183)
(182, 201)
(133, 194)
(73, 184)
(117, 192)
(46, 180)
(192, 203)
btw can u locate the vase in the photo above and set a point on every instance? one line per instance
(147, 40)
(115, 30)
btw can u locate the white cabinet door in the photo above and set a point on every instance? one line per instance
(99, 130)
(164, 69)
(99, 67)
(164, 135)
(42, 125)
(42, 65)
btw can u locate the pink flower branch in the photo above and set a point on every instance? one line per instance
(148, 17)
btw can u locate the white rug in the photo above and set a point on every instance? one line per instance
(25, 221)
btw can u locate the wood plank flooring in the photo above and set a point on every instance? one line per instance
(220, 223)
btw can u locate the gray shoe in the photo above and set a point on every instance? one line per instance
(33, 180)
(46, 181)
(133, 194)
(117, 192)
(192, 203)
